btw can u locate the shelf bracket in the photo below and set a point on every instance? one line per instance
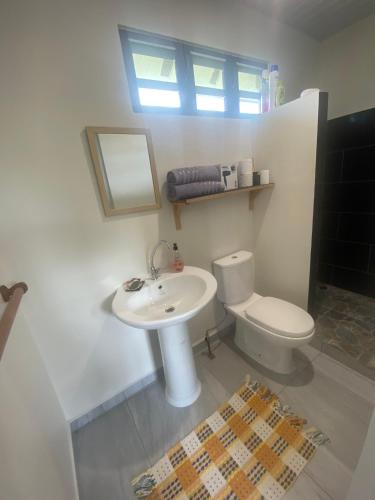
(177, 215)
(252, 195)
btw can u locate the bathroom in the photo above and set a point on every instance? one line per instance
(83, 408)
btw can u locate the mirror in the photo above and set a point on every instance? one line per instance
(125, 169)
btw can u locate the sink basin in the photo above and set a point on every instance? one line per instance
(171, 299)
(166, 304)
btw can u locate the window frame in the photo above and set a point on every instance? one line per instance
(185, 76)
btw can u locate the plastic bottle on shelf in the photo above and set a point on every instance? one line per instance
(273, 84)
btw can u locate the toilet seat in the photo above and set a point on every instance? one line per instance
(280, 317)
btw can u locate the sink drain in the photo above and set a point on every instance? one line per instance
(169, 309)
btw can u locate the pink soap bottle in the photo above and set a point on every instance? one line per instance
(178, 263)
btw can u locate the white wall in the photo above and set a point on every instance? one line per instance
(35, 444)
(346, 69)
(285, 143)
(62, 70)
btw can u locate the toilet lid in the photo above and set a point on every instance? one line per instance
(281, 317)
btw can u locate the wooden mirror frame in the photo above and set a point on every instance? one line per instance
(109, 210)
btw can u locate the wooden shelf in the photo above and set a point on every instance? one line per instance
(178, 205)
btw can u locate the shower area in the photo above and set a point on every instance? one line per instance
(344, 305)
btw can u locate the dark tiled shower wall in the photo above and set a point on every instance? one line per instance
(347, 246)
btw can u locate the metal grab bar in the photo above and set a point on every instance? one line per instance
(13, 296)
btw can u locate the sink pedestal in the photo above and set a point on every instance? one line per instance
(182, 384)
(166, 305)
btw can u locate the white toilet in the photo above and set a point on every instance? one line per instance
(267, 329)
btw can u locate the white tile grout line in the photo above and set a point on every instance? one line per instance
(318, 352)
(132, 416)
(312, 477)
(348, 369)
(338, 380)
(362, 379)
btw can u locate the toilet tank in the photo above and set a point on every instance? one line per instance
(235, 277)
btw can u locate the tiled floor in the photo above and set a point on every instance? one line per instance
(345, 328)
(124, 442)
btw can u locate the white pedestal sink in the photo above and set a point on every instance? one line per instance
(166, 304)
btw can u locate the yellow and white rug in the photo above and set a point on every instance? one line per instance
(252, 447)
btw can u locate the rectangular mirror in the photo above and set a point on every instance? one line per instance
(125, 169)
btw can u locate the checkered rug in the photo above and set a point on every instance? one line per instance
(252, 447)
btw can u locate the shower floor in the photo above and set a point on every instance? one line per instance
(345, 328)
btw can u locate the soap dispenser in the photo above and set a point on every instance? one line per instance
(178, 263)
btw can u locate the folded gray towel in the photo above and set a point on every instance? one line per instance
(183, 191)
(194, 174)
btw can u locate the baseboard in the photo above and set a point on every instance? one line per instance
(122, 396)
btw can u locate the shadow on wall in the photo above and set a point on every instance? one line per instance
(151, 335)
(120, 353)
(261, 203)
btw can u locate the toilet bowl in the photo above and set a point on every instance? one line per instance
(267, 328)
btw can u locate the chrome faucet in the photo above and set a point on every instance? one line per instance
(155, 271)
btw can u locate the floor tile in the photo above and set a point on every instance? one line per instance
(309, 351)
(305, 488)
(113, 449)
(355, 382)
(228, 367)
(345, 327)
(161, 425)
(133, 458)
(332, 476)
(103, 462)
(344, 358)
(216, 388)
(335, 410)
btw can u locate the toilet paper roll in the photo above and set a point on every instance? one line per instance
(246, 166)
(264, 176)
(245, 180)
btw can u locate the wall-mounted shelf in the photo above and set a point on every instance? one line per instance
(178, 205)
